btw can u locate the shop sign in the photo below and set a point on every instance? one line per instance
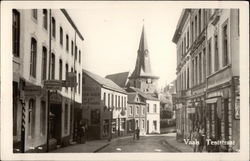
(70, 80)
(191, 110)
(237, 108)
(53, 84)
(32, 90)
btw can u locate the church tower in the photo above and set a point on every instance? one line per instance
(142, 76)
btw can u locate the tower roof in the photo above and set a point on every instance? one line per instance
(143, 66)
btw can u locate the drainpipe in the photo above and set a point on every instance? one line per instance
(48, 92)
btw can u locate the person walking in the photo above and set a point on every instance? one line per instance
(197, 138)
(138, 133)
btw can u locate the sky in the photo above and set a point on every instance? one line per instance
(112, 31)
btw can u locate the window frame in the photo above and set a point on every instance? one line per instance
(33, 57)
(16, 33)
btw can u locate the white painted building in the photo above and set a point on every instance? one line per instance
(31, 57)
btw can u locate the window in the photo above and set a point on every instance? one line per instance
(137, 124)
(122, 101)
(188, 38)
(72, 47)
(66, 73)
(31, 118)
(137, 110)
(193, 77)
(61, 36)
(216, 54)
(75, 52)
(66, 117)
(108, 100)
(149, 81)
(130, 110)
(33, 58)
(143, 124)
(79, 56)
(45, 19)
(123, 123)
(15, 32)
(44, 64)
(34, 13)
(155, 108)
(67, 42)
(143, 110)
(15, 102)
(104, 99)
(209, 57)
(195, 27)
(53, 24)
(43, 117)
(119, 103)
(60, 69)
(125, 103)
(199, 20)
(75, 89)
(196, 70)
(147, 107)
(225, 45)
(79, 83)
(200, 68)
(53, 66)
(116, 101)
(204, 64)
(192, 31)
(187, 78)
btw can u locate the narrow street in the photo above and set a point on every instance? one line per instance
(150, 143)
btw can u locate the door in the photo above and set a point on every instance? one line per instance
(56, 121)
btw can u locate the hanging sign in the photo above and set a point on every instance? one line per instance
(53, 84)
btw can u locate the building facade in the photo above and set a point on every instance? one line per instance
(208, 74)
(104, 107)
(136, 113)
(46, 46)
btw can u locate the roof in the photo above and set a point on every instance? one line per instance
(180, 25)
(72, 23)
(131, 96)
(120, 79)
(144, 95)
(106, 83)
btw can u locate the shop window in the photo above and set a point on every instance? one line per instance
(31, 118)
(66, 111)
(33, 56)
(143, 124)
(123, 124)
(15, 32)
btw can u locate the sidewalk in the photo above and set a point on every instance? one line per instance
(89, 147)
(178, 146)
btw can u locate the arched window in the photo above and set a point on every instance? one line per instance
(15, 32)
(53, 23)
(44, 64)
(53, 66)
(45, 19)
(33, 55)
(67, 42)
(60, 69)
(61, 36)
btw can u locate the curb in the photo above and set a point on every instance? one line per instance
(102, 147)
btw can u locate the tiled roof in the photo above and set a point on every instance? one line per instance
(107, 83)
(146, 96)
(119, 78)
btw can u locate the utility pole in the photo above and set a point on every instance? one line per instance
(48, 92)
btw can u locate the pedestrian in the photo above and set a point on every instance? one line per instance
(197, 138)
(201, 139)
(138, 133)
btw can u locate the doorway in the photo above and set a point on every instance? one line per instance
(56, 122)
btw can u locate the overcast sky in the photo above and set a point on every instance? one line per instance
(112, 32)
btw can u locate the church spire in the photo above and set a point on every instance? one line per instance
(143, 66)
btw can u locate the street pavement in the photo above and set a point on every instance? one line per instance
(149, 143)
